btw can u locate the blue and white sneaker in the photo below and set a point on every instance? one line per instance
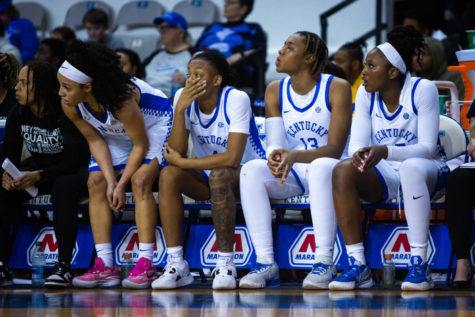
(418, 276)
(356, 276)
(321, 275)
(261, 275)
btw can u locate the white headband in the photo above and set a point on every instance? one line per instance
(71, 72)
(393, 56)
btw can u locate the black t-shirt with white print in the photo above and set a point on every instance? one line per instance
(56, 145)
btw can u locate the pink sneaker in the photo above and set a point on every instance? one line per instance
(100, 275)
(142, 275)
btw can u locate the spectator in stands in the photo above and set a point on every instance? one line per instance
(63, 33)
(60, 158)
(51, 51)
(126, 123)
(165, 68)
(384, 160)
(9, 77)
(236, 40)
(222, 142)
(422, 20)
(350, 58)
(7, 47)
(298, 168)
(459, 203)
(432, 65)
(96, 23)
(20, 31)
(130, 63)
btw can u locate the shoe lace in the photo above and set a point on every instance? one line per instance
(415, 270)
(353, 271)
(96, 268)
(319, 268)
(259, 267)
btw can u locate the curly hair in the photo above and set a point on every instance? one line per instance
(407, 42)
(45, 89)
(9, 69)
(316, 46)
(110, 85)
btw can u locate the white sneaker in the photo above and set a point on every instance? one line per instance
(224, 275)
(323, 272)
(175, 274)
(261, 275)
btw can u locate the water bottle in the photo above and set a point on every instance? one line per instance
(389, 271)
(38, 263)
(127, 266)
(175, 85)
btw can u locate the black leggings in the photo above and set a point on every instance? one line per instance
(459, 203)
(66, 190)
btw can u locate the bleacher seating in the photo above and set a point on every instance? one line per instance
(36, 13)
(198, 15)
(135, 26)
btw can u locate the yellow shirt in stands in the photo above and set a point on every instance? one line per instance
(354, 88)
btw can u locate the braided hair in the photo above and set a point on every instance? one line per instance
(110, 86)
(9, 69)
(218, 61)
(316, 46)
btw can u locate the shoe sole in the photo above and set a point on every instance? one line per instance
(225, 286)
(57, 284)
(104, 284)
(187, 280)
(271, 283)
(129, 284)
(321, 285)
(424, 286)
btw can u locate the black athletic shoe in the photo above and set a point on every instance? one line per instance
(6, 276)
(61, 277)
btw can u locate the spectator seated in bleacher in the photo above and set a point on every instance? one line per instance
(20, 32)
(393, 145)
(96, 23)
(130, 63)
(7, 47)
(51, 51)
(59, 164)
(236, 39)
(126, 122)
(350, 58)
(459, 203)
(165, 68)
(63, 33)
(432, 65)
(9, 69)
(219, 121)
(308, 117)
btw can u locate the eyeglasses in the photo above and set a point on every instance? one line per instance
(164, 28)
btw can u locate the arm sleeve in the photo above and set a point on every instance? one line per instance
(275, 134)
(360, 135)
(175, 100)
(75, 153)
(426, 99)
(239, 112)
(13, 140)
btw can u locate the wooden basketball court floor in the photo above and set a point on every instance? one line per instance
(200, 300)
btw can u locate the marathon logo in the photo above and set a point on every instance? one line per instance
(49, 246)
(130, 244)
(302, 251)
(398, 246)
(242, 248)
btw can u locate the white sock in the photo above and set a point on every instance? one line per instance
(104, 251)
(418, 180)
(357, 251)
(257, 185)
(176, 253)
(225, 257)
(321, 206)
(146, 250)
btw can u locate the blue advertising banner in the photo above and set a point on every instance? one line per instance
(202, 248)
(295, 248)
(24, 246)
(393, 239)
